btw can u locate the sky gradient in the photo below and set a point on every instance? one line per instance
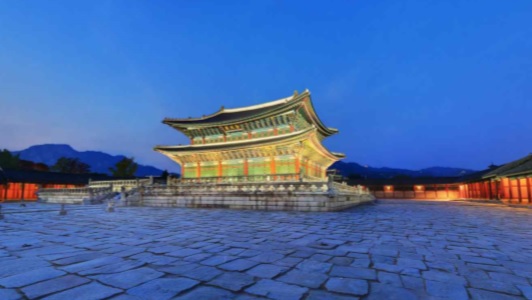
(410, 84)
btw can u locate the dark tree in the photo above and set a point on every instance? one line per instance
(401, 176)
(164, 174)
(124, 168)
(71, 165)
(8, 160)
(355, 176)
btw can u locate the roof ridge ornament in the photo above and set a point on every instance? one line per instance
(296, 93)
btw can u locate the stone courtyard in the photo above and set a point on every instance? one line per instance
(389, 250)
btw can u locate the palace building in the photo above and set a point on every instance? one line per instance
(267, 156)
(277, 140)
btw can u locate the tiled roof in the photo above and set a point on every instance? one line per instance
(225, 115)
(517, 167)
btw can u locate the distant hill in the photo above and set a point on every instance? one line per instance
(100, 162)
(349, 169)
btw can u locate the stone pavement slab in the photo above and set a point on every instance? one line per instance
(233, 281)
(30, 277)
(9, 294)
(277, 290)
(91, 291)
(52, 286)
(349, 286)
(161, 289)
(129, 278)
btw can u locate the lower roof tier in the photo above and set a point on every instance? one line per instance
(303, 144)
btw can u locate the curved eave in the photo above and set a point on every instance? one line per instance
(338, 155)
(236, 144)
(309, 107)
(332, 155)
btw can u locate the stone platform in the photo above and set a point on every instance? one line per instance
(286, 196)
(259, 194)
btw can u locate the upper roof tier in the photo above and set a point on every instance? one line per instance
(226, 116)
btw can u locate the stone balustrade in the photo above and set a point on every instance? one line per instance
(245, 179)
(74, 195)
(344, 187)
(117, 185)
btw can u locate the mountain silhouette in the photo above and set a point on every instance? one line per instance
(100, 162)
(351, 169)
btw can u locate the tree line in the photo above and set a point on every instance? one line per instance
(124, 168)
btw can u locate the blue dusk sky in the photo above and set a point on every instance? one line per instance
(410, 84)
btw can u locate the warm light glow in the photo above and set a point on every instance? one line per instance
(388, 187)
(419, 187)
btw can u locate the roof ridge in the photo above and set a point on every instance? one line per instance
(239, 109)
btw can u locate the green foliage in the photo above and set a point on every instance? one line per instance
(8, 160)
(125, 168)
(70, 165)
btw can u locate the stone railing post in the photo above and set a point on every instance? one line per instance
(63, 211)
(331, 190)
(91, 194)
(141, 195)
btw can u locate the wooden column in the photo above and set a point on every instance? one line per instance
(519, 195)
(447, 190)
(272, 167)
(220, 172)
(510, 193)
(22, 186)
(198, 169)
(529, 189)
(275, 131)
(501, 189)
(292, 128)
(297, 167)
(246, 167)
